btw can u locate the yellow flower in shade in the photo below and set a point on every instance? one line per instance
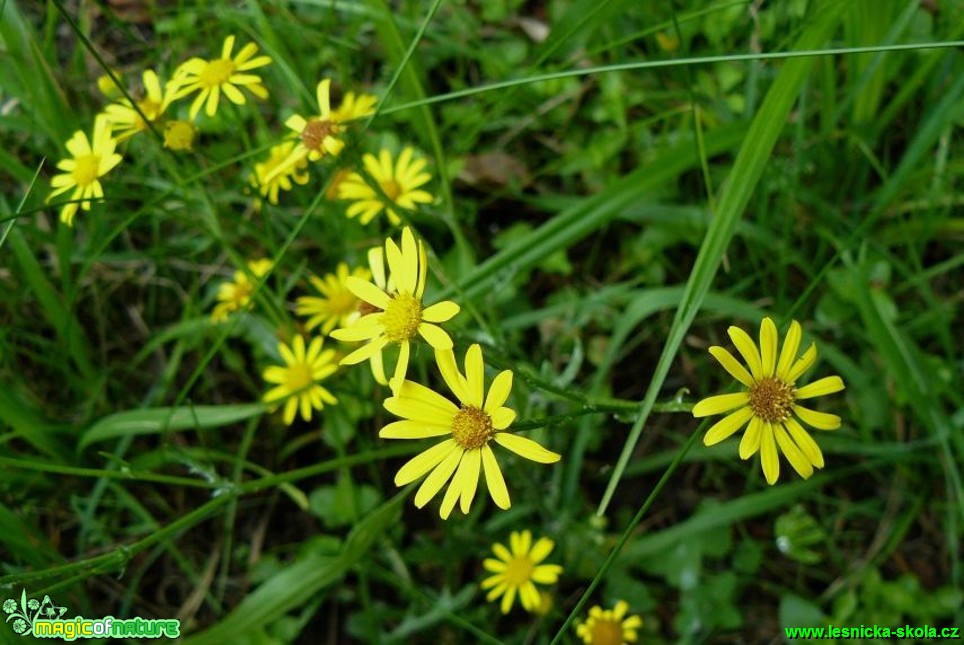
(609, 626)
(126, 121)
(470, 426)
(297, 173)
(336, 305)
(236, 295)
(769, 402)
(90, 160)
(107, 86)
(209, 78)
(519, 570)
(179, 135)
(296, 383)
(393, 309)
(320, 135)
(399, 182)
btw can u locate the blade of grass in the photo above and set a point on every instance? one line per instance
(157, 420)
(747, 170)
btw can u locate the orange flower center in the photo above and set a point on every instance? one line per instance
(606, 632)
(217, 72)
(402, 318)
(771, 399)
(391, 189)
(518, 571)
(315, 132)
(471, 428)
(85, 172)
(299, 377)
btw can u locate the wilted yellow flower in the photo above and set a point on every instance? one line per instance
(396, 309)
(179, 135)
(609, 626)
(470, 426)
(90, 160)
(126, 121)
(236, 295)
(337, 305)
(400, 182)
(770, 401)
(209, 78)
(268, 182)
(320, 135)
(297, 382)
(519, 570)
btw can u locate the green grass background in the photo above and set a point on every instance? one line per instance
(674, 168)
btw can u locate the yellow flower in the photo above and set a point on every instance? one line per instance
(234, 296)
(107, 86)
(337, 305)
(125, 119)
(297, 382)
(518, 571)
(397, 315)
(297, 173)
(211, 77)
(770, 401)
(399, 182)
(609, 626)
(319, 135)
(89, 161)
(470, 426)
(179, 135)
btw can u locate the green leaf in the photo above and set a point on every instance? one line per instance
(157, 420)
(296, 584)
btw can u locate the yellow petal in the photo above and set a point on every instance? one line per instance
(789, 352)
(768, 346)
(437, 478)
(726, 426)
(819, 420)
(794, 455)
(526, 448)
(751, 438)
(768, 455)
(435, 336)
(367, 292)
(364, 352)
(413, 430)
(498, 392)
(440, 312)
(804, 363)
(744, 345)
(401, 367)
(805, 442)
(826, 385)
(445, 359)
(731, 365)
(475, 375)
(418, 410)
(541, 550)
(453, 492)
(494, 480)
(720, 403)
(502, 418)
(424, 462)
(469, 474)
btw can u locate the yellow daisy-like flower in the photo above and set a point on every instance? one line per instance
(179, 135)
(609, 626)
(337, 305)
(770, 401)
(297, 381)
(396, 312)
(517, 571)
(268, 182)
(209, 78)
(90, 160)
(236, 295)
(470, 426)
(125, 119)
(400, 182)
(320, 135)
